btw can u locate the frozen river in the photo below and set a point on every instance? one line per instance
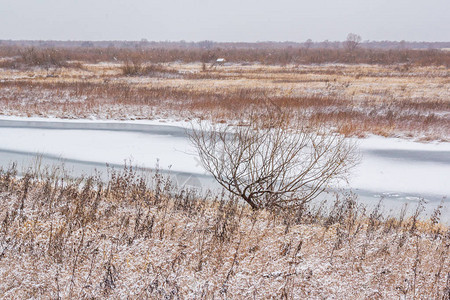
(398, 170)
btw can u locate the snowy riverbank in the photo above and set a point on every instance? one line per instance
(398, 170)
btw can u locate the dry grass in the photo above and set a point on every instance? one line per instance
(62, 237)
(358, 99)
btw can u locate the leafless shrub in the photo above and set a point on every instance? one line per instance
(132, 68)
(135, 67)
(45, 58)
(273, 163)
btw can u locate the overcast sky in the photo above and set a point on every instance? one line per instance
(232, 20)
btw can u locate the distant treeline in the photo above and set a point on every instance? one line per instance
(56, 53)
(388, 45)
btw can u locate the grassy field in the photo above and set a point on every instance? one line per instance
(81, 237)
(398, 99)
(137, 236)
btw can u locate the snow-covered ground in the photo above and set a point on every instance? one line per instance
(396, 169)
(398, 165)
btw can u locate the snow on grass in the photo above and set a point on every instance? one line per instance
(126, 240)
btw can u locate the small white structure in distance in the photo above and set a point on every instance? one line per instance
(219, 62)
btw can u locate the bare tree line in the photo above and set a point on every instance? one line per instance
(309, 53)
(208, 44)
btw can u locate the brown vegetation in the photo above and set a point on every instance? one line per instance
(404, 99)
(81, 237)
(268, 56)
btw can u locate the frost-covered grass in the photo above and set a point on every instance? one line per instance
(386, 100)
(62, 237)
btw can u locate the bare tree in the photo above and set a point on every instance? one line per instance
(352, 41)
(308, 44)
(272, 163)
(206, 44)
